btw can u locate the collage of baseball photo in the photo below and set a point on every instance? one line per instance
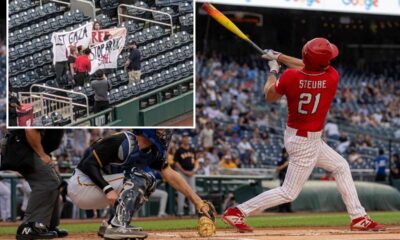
(200, 119)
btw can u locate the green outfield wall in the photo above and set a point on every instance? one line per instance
(132, 112)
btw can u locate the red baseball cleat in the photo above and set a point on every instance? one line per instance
(235, 218)
(365, 224)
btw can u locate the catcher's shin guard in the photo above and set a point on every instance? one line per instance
(138, 187)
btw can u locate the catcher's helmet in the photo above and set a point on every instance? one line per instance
(318, 52)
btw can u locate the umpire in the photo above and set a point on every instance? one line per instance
(27, 151)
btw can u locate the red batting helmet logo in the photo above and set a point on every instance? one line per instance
(318, 52)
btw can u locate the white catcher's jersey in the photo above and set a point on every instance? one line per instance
(304, 155)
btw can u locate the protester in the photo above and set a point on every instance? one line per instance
(132, 65)
(73, 54)
(83, 66)
(101, 85)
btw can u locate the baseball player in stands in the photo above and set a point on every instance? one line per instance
(309, 86)
(93, 187)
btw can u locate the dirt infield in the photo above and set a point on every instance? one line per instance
(393, 232)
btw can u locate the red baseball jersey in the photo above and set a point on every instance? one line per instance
(309, 96)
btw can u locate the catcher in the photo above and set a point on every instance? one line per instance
(93, 187)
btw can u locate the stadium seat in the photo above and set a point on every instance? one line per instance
(162, 17)
(138, 12)
(126, 92)
(88, 90)
(131, 26)
(115, 96)
(134, 89)
(144, 86)
(185, 7)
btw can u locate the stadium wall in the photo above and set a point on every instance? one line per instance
(130, 114)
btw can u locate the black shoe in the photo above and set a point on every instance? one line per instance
(34, 230)
(60, 232)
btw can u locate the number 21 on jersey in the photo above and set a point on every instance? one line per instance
(305, 99)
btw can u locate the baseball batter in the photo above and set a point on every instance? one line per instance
(309, 85)
(92, 185)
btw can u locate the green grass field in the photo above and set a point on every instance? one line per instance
(266, 221)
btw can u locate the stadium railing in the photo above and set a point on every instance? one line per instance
(121, 15)
(49, 104)
(87, 7)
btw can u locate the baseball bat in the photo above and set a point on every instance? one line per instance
(228, 24)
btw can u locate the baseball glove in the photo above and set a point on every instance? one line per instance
(206, 225)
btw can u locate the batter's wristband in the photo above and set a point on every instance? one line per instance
(273, 72)
(107, 189)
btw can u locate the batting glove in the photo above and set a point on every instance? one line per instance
(274, 66)
(270, 54)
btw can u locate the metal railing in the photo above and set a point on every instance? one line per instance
(56, 1)
(87, 7)
(44, 103)
(121, 15)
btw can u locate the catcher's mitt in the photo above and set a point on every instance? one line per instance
(206, 225)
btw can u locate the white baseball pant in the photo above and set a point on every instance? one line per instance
(304, 155)
(163, 197)
(86, 195)
(5, 201)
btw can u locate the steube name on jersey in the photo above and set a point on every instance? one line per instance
(312, 84)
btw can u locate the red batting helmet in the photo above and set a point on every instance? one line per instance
(318, 52)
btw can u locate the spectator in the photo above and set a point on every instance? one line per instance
(73, 54)
(83, 66)
(246, 151)
(273, 120)
(13, 106)
(80, 141)
(206, 136)
(344, 143)
(282, 169)
(171, 153)
(187, 166)
(132, 65)
(5, 201)
(100, 86)
(395, 168)
(227, 163)
(381, 163)
(332, 130)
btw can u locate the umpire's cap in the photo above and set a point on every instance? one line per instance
(318, 53)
